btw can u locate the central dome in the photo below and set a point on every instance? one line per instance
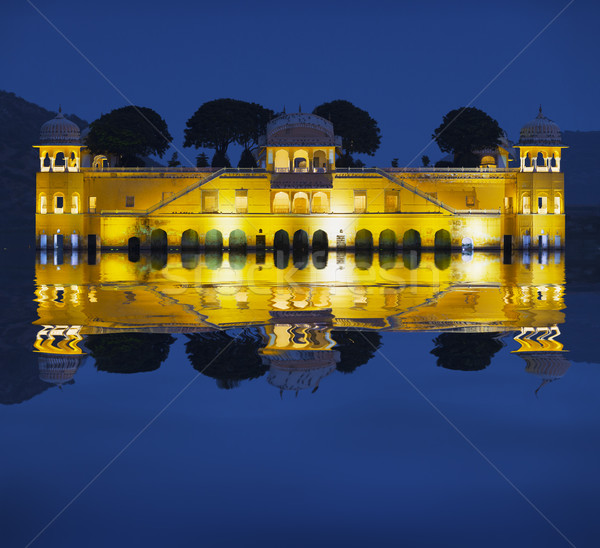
(540, 131)
(301, 129)
(60, 131)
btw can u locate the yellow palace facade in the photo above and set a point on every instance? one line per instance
(298, 198)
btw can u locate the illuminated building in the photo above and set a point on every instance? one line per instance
(299, 198)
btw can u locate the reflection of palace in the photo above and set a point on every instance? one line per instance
(299, 198)
(299, 326)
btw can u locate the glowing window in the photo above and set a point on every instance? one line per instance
(526, 205)
(470, 201)
(129, 201)
(210, 199)
(43, 204)
(320, 203)
(557, 205)
(281, 203)
(300, 203)
(391, 201)
(360, 201)
(542, 205)
(241, 201)
(75, 203)
(92, 204)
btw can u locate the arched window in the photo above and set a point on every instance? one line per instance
(282, 161)
(301, 160)
(75, 203)
(542, 205)
(320, 161)
(59, 203)
(59, 162)
(526, 204)
(300, 203)
(557, 205)
(43, 203)
(281, 203)
(320, 203)
(541, 162)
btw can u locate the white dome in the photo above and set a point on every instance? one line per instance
(60, 131)
(301, 129)
(540, 131)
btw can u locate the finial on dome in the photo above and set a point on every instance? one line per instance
(284, 109)
(59, 108)
(540, 115)
(300, 108)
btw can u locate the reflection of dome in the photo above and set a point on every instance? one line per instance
(300, 129)
(59, 369)
(540, 131)
(60, 131)
(549, 366)
(300, 369)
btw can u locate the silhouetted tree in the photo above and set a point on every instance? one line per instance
(395, 162)
(129, 352)
(356, 348)
(129, 132)
(226, 356)
(425, 160)
(466, 351)
(202, 160)
(464, 131)
(360, 133)
(219, 123)
(220, 160)
(247, 159)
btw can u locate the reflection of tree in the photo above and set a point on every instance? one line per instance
(226, 356)
(466, 351)
(356, 348)
(129, 352)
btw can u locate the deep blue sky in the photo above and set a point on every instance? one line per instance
(407, 64)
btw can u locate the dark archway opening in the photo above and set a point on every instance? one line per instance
(190, 241)
(133, 249)
(411, 240)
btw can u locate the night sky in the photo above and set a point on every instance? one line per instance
(406, 64)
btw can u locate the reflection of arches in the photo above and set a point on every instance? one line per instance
(281, 202)
(281, 240)
(237, 258)
(300, 203)
(442, 239)
(411, 258)
(320, 203)
(190, 240)
(282, 160)
(363, 258)
(387, 239)
(237, 240)
(213, 259)
(320, 241)
(411, 240)
(441, 258)
(364, 239)
(214, 239)
(158, 239)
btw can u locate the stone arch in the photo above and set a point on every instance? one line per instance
(281, 240)
(320, 241)
(281, 202)
(301, 203)
(190, 240)
(300, 160)
(541, 161)
(46, 162)
(387, 240)
(442, 239)
(214, 240)
(488, 161)
(60, 161)
(100, 162)
(133, 249)
(363, 239)
(158, 240)
(237, 240)
(320, 202)
(300, 241)
(282, 160)
(320, 161)
(411, 239)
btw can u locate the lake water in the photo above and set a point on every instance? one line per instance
(414, 400)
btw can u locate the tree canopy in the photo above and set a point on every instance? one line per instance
(219, 123)
(464, 131)
(356, 348)
(359, 132)
(129, 132)
(466, 351)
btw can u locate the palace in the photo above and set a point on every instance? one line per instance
(299, 199)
